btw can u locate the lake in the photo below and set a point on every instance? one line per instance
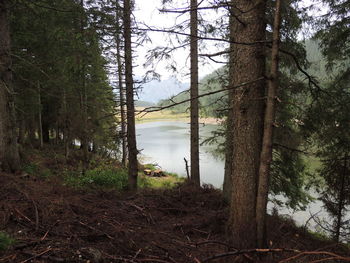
(167, 143)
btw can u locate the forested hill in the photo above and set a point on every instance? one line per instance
(214, 105)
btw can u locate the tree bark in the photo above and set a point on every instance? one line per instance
(84, 98)
(266, 152)
(9, 156)
(247, 118)
(227, 186)
(121, 89)
(341, 199)
(131, 133)
(40, 125)
(195, 176)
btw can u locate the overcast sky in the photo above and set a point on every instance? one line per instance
(147, 11)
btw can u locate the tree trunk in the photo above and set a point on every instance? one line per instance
(84, 99)
(195, 177)
(121, 89)
(66, 137)
(341, 199)
(227, 186)
(131, 133)
(40, 125)
(248, 110)
(266, 152)
(9, 156)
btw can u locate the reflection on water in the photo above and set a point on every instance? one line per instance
(168, 143)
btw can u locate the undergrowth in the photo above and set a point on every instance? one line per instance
(5, 241)
(106, 178)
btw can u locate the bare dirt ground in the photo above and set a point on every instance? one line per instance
(53, 223)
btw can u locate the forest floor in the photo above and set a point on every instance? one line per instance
(51, 222)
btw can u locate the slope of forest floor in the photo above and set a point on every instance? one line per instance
(52, 222)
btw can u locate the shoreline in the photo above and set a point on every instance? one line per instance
(167, 115)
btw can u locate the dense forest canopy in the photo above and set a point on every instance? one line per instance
(68, 85)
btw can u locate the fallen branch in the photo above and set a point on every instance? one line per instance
(307, 253)
(246, 251)
(37, 255)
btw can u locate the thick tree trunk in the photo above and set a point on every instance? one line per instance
(227, 186)
(131, 133)
(9, 156)
(121, 89)
(266, 152)
(195, 177)
(248, 110)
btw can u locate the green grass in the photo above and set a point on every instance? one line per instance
(5, 241)
(117, 179)
(163, 115)
(101, 178)
(168, 181)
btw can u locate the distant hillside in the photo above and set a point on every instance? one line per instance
(213, 105)
(155, 90)
(209, 105)
(142, 103)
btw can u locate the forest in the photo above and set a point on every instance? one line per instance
(73, 184)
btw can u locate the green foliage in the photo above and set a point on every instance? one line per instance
(61, 73)
(36, 170)
(5, 241)
(100, 178)
(31, 168)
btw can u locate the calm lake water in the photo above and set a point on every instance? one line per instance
(167, 143)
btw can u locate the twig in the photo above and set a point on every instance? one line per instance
(338, 257)
(94, 229)
(37, 255)
(246, 251)
(212, 242)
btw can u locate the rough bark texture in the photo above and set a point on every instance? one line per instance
(249, 64)
(227, 186)
(195, 177)
(131, 133)
(121, 90)
(266, 151)
(9, 157)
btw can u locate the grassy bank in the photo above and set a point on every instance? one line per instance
(103, 173)
(163, 115)
(168, 115)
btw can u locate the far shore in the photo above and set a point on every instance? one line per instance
(167, 115)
